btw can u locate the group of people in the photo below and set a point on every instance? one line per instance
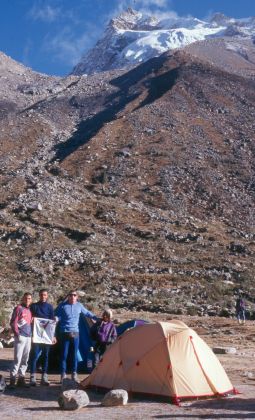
(67, 314)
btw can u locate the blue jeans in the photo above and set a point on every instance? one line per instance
(36, 352)
(69, 344)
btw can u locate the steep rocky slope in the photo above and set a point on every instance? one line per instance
(136, 186)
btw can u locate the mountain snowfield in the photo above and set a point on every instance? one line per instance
(132, 38)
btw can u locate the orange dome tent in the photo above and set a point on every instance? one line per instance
(164, 358)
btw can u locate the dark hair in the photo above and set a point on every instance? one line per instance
(43, 290)
(27, 294)
(71, 292)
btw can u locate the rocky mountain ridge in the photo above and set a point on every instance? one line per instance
(132, 38)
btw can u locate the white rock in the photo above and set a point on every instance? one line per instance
(115, 397)
(248, 375)
(73, 399)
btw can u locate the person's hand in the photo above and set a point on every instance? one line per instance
(54, 340)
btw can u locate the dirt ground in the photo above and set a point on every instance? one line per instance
(36, 403)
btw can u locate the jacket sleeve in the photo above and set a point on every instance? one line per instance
(14, 320)
(58, 311)
(113, 335)
(87, 313)
(52, 316)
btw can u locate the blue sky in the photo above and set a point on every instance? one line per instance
(51, 35)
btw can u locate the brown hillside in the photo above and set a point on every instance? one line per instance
(136, 186)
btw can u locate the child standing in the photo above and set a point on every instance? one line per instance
(104, 333)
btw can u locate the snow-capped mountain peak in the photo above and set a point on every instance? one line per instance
(133, 20)
(134, 37)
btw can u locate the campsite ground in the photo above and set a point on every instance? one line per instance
(36, 403)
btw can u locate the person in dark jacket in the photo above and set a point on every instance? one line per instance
(21, 321)
(104, 333)
(41, 309)
(240, 310)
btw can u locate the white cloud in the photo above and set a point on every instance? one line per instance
(66, 46)
(158, 8)
(44, 12)
(26, 52)
(148, 3)
(144, 4)
(164, 15)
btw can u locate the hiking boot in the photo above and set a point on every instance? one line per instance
(44, 380)
(22, 383)
(12, 383)
(32, 380)
(75, 377)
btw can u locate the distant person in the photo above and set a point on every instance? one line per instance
(240, 310)
(104, 333)
(68, 313)
(21, 321)
(41, 309)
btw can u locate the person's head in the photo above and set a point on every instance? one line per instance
(43, 295)
(27, 299)
(107, 315)
(72, 296)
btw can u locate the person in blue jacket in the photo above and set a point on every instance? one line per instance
(41, 309)
(68, 314)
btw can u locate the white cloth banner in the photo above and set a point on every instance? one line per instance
(44, 331)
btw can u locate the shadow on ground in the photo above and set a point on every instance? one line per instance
(5, 365)
(238, 405)
(207, 416)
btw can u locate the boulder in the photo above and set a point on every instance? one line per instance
(115, 397)
(73, 399)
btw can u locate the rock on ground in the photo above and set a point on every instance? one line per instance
(224, 350)
(73, 399)
(115, 397)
